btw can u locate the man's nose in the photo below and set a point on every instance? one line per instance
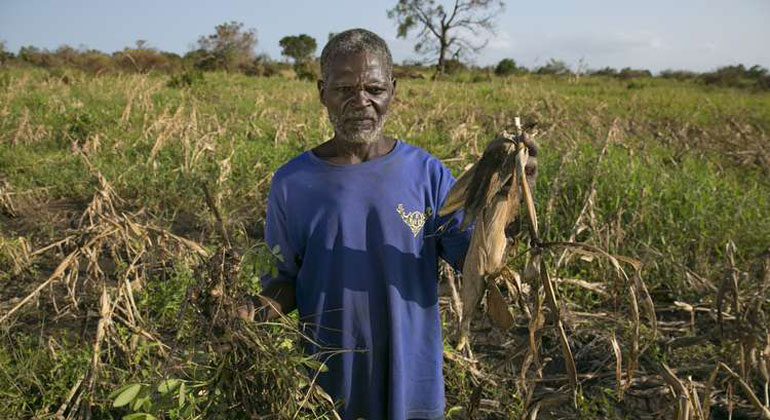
(360, 97)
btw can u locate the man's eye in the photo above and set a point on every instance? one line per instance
(375, 90)
(344, 89)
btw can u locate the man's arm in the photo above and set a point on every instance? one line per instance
(278, 295)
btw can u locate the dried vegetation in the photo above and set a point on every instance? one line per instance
(646, 296)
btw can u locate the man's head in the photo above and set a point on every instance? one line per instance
(357, 84)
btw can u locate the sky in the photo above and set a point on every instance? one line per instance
(698, 35)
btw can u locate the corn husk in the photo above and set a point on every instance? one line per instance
(485, 180)
(486, 254)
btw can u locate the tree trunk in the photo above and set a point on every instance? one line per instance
(441, 67)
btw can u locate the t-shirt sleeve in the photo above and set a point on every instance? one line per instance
(452, 242)
(277, 234)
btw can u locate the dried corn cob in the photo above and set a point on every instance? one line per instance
(489, 193)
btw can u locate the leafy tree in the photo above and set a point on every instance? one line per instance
(441, 30)
(35, 56)
(229, 47)
(506, 67)
(300, 47)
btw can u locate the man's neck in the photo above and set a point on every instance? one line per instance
(342, 152)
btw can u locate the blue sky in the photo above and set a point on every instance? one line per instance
(676, 34)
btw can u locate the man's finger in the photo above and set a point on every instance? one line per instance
(531, 167)
(531, 144)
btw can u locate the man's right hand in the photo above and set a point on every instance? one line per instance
(275, 299)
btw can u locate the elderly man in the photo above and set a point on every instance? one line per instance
(356, 223)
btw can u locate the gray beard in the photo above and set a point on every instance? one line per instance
(360, 136)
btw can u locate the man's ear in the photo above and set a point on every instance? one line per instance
(321, 90)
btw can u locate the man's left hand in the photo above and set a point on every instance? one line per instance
(513, 229)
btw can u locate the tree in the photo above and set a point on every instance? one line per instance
(458, 27)
(300, 47)
(229, 47)
(35, 56)
(505, 67)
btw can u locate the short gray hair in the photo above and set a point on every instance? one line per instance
(355, 41)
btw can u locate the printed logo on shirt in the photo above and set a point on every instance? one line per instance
(415, 220)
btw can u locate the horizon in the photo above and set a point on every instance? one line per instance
(690, 35)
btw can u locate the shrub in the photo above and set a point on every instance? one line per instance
(607, 71)
(738, 76)
(143, 59)
(678, 74)
(94, 62)
(506, 67)
(186, 79)
(36, 56)
(629, 73)
(307, 70)
(454, 66)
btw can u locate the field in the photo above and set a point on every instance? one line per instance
(119, 194)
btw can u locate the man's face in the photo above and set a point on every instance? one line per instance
(357, 93)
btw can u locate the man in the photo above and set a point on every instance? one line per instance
(356, 223)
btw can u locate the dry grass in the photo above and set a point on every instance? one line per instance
(100, 194)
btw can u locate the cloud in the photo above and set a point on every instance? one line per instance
(604, 44)
(500, 41)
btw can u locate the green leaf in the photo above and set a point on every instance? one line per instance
(286, 344)
(118, 391)
(315, 365)
(140, 401)
(168, 385)
(182, 394)
(454, 410)
(127, 395)
(139, 416)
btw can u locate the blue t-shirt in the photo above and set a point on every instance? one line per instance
(361, 244)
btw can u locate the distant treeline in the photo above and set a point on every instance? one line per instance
(137, 60)
(735, 76)
(231, 48)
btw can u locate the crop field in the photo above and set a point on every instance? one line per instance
(132, 217)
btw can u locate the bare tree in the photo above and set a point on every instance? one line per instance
(450, 30)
